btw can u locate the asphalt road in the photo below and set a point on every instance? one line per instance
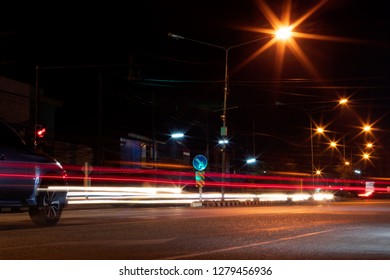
(356, 230)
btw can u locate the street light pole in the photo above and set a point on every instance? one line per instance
(223, 131)
(311, 147)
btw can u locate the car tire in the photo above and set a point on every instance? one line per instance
(48, 210)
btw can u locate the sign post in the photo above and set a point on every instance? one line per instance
(87, 169)
(199, 163)
(199, 179)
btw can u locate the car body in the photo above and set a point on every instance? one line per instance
(30, 180)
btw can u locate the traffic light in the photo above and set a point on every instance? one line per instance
(40, 131)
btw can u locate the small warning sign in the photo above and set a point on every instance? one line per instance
(199, 178)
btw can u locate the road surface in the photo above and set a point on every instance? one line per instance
(324, 231)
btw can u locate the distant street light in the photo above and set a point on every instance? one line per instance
(366, 155)
(333, 144)
(223, 142)
(320, 130)
(177, 135)
(367, 128)
(343, 101)
(369, 145)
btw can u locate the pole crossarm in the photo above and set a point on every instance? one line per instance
(226, 48)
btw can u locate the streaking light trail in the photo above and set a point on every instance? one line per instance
(139, 186)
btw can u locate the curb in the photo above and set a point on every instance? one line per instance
(243, 203)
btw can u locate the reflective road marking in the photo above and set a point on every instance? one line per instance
(247, 246)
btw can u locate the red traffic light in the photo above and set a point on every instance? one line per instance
(40, 131)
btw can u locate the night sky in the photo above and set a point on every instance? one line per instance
(149, 82)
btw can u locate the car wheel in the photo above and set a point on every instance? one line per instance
(48, 210)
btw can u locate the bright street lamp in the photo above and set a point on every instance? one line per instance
(283, 33)
(369, 145)
(343, 101)
(177, 135)
(223, 142)
(333, 144)
(367, 128)
(320, 130)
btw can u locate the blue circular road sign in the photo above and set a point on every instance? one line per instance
(199, 162)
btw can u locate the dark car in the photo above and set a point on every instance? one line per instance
(30, 180)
